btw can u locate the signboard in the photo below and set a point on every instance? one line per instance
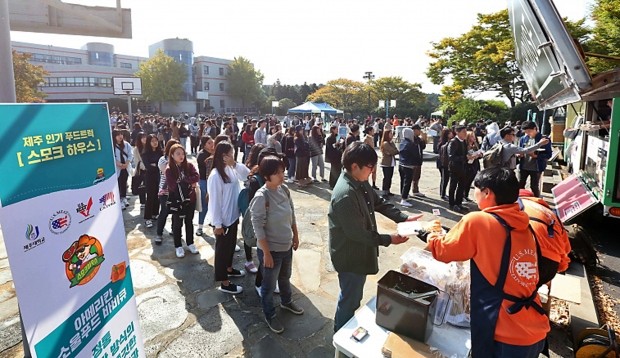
(63, 230)
(572, 198)
(57, 17)
(551, 65)
(202, 95)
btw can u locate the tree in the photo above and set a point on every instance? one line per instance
(606, 35)
(28, 77)
(409, 99)
(342, 93)
(481, 59)
(245, 82)
(162, 79)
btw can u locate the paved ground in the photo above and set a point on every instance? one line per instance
(183, 315)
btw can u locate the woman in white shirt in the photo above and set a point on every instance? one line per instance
(223, 214)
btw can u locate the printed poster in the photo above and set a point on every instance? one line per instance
(63, 230)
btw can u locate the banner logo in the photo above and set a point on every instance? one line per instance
(32, 232)
(60, 222)
(82, 260)
(107, 200)
(33, 235)
(84, 209)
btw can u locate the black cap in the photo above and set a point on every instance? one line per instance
(265, 152)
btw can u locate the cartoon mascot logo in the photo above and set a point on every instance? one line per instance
(82, 260)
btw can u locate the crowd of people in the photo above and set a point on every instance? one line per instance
(154, 152)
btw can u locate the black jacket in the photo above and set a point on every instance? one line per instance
(333, 149)
(457, 154)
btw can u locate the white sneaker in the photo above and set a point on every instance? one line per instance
(149, 223)
(258, 291)
(277, 289)
(289, 181)
(125, 202)
(180, 252)
(405, 203)
(192, 248)
(237, 248)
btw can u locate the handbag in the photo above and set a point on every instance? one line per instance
(178, 201)
(198, 199)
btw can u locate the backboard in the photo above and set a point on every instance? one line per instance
(127, 86)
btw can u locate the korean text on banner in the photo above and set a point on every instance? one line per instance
(64, 231)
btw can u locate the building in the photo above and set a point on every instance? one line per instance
(85, 75)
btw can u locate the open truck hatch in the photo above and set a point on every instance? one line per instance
(549, 60)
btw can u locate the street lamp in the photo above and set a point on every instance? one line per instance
(369, 76)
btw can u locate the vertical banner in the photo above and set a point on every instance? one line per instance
(63, 230)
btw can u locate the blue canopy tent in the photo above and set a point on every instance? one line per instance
(312, 107)
(326, 108)
(307, 107)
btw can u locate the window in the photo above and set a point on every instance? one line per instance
(222, 103)
(77, 82)
(126, 65)
(63, 60)
(206, 86)
(221, 71)
(205, 70)
(221, 87)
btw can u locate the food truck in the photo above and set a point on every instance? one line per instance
(553, 66)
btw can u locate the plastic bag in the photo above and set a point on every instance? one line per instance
(452, 278)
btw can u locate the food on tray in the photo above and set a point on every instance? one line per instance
(421, 229)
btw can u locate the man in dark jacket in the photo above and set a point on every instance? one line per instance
(532, 164)
(410, 163)
(353, 237)
(457, 156)
(333, 154)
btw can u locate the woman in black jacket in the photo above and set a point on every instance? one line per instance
(302, 157)
(150, 156)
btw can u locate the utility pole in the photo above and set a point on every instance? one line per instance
(369, 76)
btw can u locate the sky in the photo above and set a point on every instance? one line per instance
(303, 41)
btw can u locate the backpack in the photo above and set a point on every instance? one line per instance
(247, 229)
(547, 268)
(243, 200)
(492, 158)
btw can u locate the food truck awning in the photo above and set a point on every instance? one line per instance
(572, 198)
(551, 64)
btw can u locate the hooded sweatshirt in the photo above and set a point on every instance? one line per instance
(479, 236)
(492, 136)
(411, 150)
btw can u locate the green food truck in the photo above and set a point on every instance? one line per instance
(554, 69)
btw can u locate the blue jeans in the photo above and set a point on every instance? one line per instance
(281, 272)
(205, 204)
(351, 292)
(505, 350)
(292, 162)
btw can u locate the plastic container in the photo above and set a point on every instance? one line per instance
(406, 305)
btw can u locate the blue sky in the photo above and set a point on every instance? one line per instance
(299, 41)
